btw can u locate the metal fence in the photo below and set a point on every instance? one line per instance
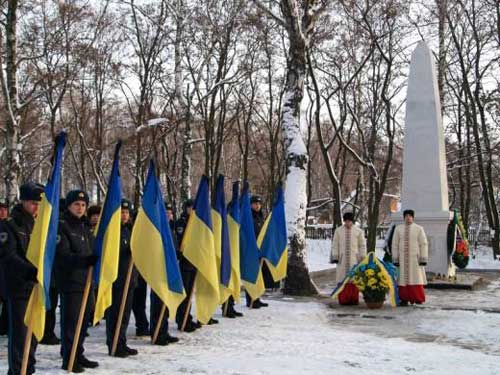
(325, 231)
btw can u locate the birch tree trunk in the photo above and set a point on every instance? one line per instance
(299, 19)
(181, 107)
(11, 103)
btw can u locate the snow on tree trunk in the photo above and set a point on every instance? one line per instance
(298, 281)
(11, 104)
(182, 108)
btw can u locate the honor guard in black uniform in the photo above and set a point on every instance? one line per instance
(93, 214)
(4, 215)
(188, 272)
(258, 222)
(156, 303)
(74, 257)
(139, 307)
(122, 350)
(20, 274)
(49, 335)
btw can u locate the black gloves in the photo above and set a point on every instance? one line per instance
(91, 260)
(31, 274)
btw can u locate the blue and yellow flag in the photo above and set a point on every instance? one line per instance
(250, 266)
(221, 240)
(388, 270)
(233, 224)
(107, 242)
(199, 249)
(42, 245)
(152, 246)
(273, 241)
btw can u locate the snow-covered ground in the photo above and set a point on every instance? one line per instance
(483, 259)
(305, 336)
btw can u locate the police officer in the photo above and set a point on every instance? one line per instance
(122, 350)
(188, 271)
(139, 307)
(49, 335)
(258, 223)
(20, 274)
(4, 215)
(93, 215)
(74, 256)
(156, 305)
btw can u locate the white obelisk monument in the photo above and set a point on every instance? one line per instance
(425, 183)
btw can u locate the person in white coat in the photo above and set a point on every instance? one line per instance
(348, 249)
(410, 254)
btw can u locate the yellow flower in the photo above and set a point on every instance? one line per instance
(369, 272)
(372, 282)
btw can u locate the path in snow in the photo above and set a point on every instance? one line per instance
(305, 336)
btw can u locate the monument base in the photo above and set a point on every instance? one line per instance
(435, 225)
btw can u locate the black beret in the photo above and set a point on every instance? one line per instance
(31, 191)
(409, 212)
(255, 199)
(93, 210)
(348, 216)
(76, 195)
(127, 205)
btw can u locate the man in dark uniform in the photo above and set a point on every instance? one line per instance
(139, 307)
(4, 215)
(122, 350)
(258, 222)
(74, 257)
(188, 272)
(49, 335)
(20, 274)
(156, 305)
(93, 214)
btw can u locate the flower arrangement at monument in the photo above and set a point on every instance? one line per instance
(372, 283)
(458, 245)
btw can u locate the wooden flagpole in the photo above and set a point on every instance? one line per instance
(27, 341)
(122, 307)
(188, 307)
(79, 324)
(158, 324)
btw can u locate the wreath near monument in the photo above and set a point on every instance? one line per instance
(458, 245)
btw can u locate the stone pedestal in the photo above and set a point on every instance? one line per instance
(425, 181)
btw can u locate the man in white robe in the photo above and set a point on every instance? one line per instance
(410, 254)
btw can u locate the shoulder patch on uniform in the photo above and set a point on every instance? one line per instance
(4, 236)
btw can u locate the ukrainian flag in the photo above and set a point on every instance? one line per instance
(198, 248)
(152, 246)
(107, 242)
(221, 240)
(250, 266)
(387, 269)
(233, 223)
(273, 241)
(42, 245)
